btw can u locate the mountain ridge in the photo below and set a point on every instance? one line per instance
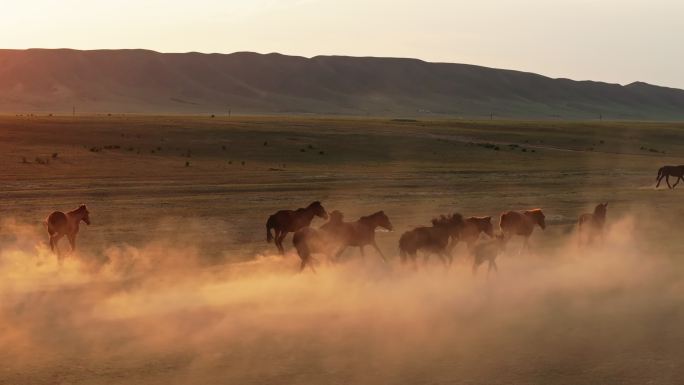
(145, 81)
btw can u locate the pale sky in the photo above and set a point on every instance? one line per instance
(609, 40)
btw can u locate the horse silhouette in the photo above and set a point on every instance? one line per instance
(668, 171)
(360, 233)
(60, 224)
(522, 224)
(289, 221)
(433, 239)
(487, 252)
(592, 224)
(308, 241)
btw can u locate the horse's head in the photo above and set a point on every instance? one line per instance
(85, 214)
(381, 219)
(601, 209)
(538, 216)
(318, 209)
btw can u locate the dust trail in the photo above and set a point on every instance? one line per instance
(610, 314)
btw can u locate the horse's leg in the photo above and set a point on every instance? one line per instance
(660, 179)
(677, 182)
(363, 253)
(54, 242)
(72, 241)
(339, 253)
(667, 179)
(375, 246)
(279, 241)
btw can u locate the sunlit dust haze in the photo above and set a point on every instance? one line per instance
(609, 40)
(155, 313)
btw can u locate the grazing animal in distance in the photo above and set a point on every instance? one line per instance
(592, 224)
(522, 224)
(487, 252)
(360, 233)
(668, 171)
(60, 224)
(289, 221)
(433, 239)
(308, 241)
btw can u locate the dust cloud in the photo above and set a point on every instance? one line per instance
(157, 314)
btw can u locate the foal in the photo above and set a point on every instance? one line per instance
(60, 224)
(592, 224)
(289, 221)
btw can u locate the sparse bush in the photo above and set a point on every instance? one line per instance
(223, 147)
(24, 160)
(243, 162)
(265, 143)
(55, 155)
(302, 150)
(187, 163)
(321, 152)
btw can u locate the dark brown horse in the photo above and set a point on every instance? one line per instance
(60, 224)
(592, 224)
(309, 241)
(668, 171)
(289, 221)
(487, 252)
(521, 223)
(360, 233)
(433, 239)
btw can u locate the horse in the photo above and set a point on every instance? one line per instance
(433, 240)
(360, 233)
(289, 221)
(521, 223)
(308, 241)
(488, 251)
(592, 224)
(60, 224)
(667, 171)
(472, 227)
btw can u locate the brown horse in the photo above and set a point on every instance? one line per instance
(360, 233)
(310, 241)
(60, 224)
(488, 251)
(592, 224)
(472, 228)
(433, 240)
(289, 221)
(521, 223)
(668, 171)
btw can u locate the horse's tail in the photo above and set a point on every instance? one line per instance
(269, 225)
(404, 245)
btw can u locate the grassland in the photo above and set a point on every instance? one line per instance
(412, 170)
(210, 305)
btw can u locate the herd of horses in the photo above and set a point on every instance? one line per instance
(445, 231)
(336, 235)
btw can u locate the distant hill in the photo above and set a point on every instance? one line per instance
(39, 80)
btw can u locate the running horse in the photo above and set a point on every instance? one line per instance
(473, 227)
(289, 221)
(668, 171)
(522, 224)
(433, 239)
(309, 241)
(592, 224)
(60, 224)
(361, 233)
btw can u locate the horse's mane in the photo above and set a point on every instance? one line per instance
(78, 210)
(535, 211)
(372, 216)
(445, 220)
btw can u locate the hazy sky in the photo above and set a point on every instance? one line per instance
(610, 40)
